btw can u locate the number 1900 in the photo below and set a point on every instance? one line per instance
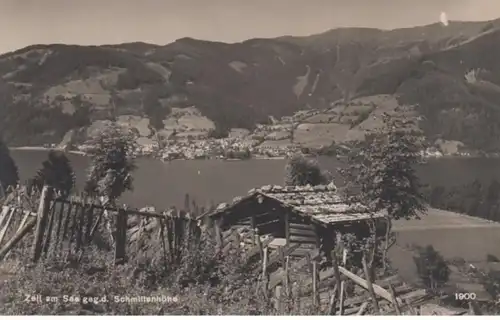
(465, 296)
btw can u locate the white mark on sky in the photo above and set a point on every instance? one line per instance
(444, 18)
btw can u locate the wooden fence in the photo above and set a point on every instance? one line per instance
(306, 279)
(68, 226)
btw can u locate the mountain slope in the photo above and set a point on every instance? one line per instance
(449, 73)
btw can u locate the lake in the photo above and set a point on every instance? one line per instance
(165, 184)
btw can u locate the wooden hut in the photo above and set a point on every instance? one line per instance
(307, 216)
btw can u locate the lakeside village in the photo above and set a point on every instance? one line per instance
(198, 143)
(241, 148)
(224, 149)
(271, 141)
(236, 148)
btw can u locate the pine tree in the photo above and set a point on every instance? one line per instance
(9, 175)
(432, 268)
(56, 172)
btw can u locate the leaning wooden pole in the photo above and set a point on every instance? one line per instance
(17, 237)
(42, 215)
(333, 301)
(394, 300)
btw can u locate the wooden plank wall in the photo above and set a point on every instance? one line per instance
(266, 217)
(302, 234)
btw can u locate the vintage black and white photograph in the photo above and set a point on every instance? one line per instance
(250, 157)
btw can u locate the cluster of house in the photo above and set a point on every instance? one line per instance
(204, 149)
(278, 151)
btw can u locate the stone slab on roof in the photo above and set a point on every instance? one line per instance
(321, 203)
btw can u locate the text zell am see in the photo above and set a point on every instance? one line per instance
(38, 298)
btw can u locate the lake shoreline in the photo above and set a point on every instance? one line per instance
(81, 153)
(46, 149)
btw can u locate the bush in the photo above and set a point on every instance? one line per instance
(300, 171)
(112, 155)
(432, 268)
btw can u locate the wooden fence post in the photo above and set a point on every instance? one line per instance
(370, 284)
(162, 239)
(80, 221)
(46, 242)
(254, 227)
(342, 284)
(60, 218)
(279, 299)
(338, 281)
(287, 278)
(287, 229)
(66, 223)
(265, 281)
(218, 235)
(121, 237)
(315, 283)
(42, 215)
(90, 220)
(259, 245)
(74, 222)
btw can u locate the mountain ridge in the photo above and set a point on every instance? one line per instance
(49, 90)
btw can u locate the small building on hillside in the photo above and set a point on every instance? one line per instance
(304, 216)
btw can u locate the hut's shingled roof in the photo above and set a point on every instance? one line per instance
(321, 203)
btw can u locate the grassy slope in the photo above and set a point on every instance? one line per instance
(453, 235)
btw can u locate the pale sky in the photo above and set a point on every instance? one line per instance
(87, 22)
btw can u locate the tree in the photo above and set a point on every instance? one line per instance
(432, 268)
(112, 163)
(221, 130)
(381, 173)
(56, 172)
(300, 171)
(9, 175)
(154, 109)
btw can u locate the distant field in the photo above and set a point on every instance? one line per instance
(320, 134)
(452, 234)
(441, 219)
